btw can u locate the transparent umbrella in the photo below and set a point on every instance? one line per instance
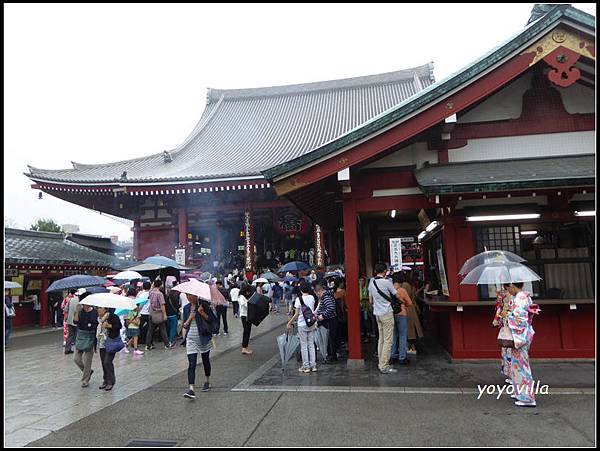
(500, 273)
(489, 257)
(321, 340)
(287, 344)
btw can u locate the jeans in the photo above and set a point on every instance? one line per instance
(152, 327)
(71, 338)
(385, 324)
(247, 329)
(400, 333)
(7, 329)
(307, 346)
(222, 313)
(192, 362)
(331, 325)
(83, 359)
(172, 327)
(108, 367)
(236, 308)
(144, 323)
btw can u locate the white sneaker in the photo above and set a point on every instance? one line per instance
(508, 381)
(525, 404)
(389, 370)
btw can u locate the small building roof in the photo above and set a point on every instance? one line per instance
(543, 20)
(99, 243)
(47, 248)
(480, 176)
(245, 131)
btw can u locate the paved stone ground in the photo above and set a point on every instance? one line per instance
(284, 416)
(43, 390)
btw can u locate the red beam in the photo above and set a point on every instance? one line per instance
(428, 118)
(240, 206)
(411, 202)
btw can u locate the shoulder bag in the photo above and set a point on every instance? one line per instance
(396, 308)
(85, 340)
(505, 337)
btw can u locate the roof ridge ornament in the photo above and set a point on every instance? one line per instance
(167, 156)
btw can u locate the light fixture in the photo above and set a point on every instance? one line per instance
(393, 214)
(421, 235)
(586, 213)
(503, 217)
(432, 226)
(529, 232)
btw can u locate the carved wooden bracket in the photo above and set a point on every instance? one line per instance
(563, 73)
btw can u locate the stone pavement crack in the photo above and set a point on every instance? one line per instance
(261, 420)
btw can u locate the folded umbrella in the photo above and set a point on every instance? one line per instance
(77, 281)
(500, 273)
(109, 300)
(258, 308)
(488, 257)
(288, 344)
(321, 340)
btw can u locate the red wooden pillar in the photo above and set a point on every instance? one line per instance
(248, 244)
(44, 314)
(450, 251)
(136, 239)
(351, 267)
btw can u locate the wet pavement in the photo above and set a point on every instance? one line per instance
(43, 390)
(431, 368)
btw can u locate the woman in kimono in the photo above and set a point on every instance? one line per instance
(500, 319)
(519, 318)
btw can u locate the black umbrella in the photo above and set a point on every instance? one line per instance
(258, 308)
(77, 281)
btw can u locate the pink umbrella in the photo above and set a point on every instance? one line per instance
(195, 287)
(216, 297)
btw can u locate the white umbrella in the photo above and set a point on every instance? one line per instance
(109, 300)
(8, 284)
(500, 273)
(128, 275)
(194, 287)
(260, 280)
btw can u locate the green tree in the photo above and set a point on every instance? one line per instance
(46, 225)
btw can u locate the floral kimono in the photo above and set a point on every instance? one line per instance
(502, 307)
(519, 321)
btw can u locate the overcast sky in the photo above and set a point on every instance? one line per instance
(102, 83)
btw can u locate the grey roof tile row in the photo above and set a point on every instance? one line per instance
(245, 131)
(27, 246)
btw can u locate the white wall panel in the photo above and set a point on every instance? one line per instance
(578, 99)
(530, 146)
(415, 154)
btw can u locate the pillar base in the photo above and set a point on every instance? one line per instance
(356, 364)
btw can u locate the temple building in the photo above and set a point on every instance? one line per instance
(500, 155)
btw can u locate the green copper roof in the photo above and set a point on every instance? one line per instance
(440, 88)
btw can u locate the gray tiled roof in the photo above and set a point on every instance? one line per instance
(244, 131)
(27, 246)
(499, 175)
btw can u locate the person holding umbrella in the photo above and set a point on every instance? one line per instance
(86, 319)
(198, 341)
(109, 327)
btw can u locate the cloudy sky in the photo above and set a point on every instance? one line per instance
(101, 83)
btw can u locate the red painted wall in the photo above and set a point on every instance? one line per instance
(158, 241)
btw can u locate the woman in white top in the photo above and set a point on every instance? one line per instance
(306, 334)
(245, 294)
(235, 294)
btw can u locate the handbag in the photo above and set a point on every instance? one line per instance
(157, 317)
(505, 337)
(85, 340)
(396, 308)
(113, 344)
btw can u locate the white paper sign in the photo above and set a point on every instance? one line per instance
(443, 277)
(180, 256)
(396, 253)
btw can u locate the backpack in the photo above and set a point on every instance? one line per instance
(309, 317)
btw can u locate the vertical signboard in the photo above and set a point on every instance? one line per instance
(396, 254)
(443, 278)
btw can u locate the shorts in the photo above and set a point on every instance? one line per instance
(133, 332)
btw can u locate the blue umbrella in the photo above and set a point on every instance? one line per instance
(293, 266)
(163, 261)
(290, 279)
(139, 301)
(77, 281)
